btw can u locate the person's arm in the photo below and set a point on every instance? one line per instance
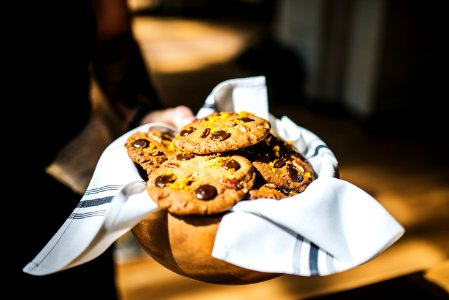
(119, 66)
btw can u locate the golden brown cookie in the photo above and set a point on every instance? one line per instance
(187, 184)
(150, 148)
(280, 164)
(269, 191)
(221, 132)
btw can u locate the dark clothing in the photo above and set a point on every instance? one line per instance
(52, 47)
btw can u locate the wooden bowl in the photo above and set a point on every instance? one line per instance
(184, 245)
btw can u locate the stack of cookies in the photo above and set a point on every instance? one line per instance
(216, 161)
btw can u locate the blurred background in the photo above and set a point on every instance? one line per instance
(364, 75)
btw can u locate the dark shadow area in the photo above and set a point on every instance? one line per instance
(284, 70)
(411, 286)
(410, 87)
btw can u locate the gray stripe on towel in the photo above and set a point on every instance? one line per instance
(313, 259)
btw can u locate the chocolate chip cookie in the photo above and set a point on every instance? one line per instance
(221, 132)
(150, 148)
(268, 191)
(280, 165)
(188, 184)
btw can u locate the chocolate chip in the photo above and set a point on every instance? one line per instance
(185, 156)
(279, 163)
(284, 190)
(232, 164)
(206, 192)
(163, 180)
(220, 135)
(205, 133)
(141, 143)
(294, 174)
(246, 119)
(188, 131)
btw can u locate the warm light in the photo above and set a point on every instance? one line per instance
(175, 45)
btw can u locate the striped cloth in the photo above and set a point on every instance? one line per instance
(331, 227)
(114, 201)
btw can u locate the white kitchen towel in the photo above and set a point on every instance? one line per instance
(330, 227)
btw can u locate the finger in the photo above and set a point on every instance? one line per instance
(182, 115)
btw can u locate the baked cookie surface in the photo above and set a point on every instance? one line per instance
(249, 161)
(187, 184)
(266, 191)
(149, 149)
(221, 132)
(279, 164)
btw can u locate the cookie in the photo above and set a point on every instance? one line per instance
(268, 191)
(188, 184)
(149, 149)
(221, 132)
(280, 164)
